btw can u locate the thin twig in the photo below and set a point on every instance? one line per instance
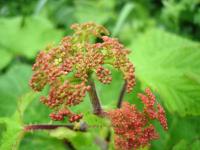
(94, 99)
(27, 128)
(121, 96)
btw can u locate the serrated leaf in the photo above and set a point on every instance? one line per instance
(171, 66)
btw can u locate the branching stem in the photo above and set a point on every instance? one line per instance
(97, 110)
(121, 95)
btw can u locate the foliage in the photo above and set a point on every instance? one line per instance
(176, 76)
(28, 41)
(164, 39)
(14, 126)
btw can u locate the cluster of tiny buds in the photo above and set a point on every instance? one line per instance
(121, 60)
(67, 70)
(103, 75)
(132, 127)
(161, 116)
(60, 115)
(89, 28)
(130, 77)
(65, 113)
(76, 117)
(65, 95)
(67, 67)
(56, 117)
(152, 110)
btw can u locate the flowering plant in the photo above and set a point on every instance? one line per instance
(70, 69)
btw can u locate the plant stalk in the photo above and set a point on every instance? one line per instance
(97, 110)
(27, 128)
(121, 95)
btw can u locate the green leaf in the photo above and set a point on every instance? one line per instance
(26, 36)
(41, 141)
(5, 58)
(79, 140)
(13, 110)
(89, 10)
(185, 145)
(40, 6)
(170, 65)
(182, 131)
(182, 145)
(92, 119)
(109, 97)
(122, 17)
(13, 84)
(37, 112)
(14, 126)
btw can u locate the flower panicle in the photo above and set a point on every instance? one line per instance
(67, 67)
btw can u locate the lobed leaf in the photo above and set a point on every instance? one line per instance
(171, 66)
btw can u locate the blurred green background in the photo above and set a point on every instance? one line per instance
(163, 36)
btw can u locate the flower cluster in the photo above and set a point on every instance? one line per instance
(151, 109)
(67, 67)
(132, 127)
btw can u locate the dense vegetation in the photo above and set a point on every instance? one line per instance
(163, 37)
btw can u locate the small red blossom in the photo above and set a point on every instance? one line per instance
(132, 127)
(103, 75)
(152, 109)
(74, 118)
(161, 116)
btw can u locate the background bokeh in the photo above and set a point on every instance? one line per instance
(163, 36)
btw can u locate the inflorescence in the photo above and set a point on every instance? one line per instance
(132, 127)
(67, 68)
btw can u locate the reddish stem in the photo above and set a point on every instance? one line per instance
(94, 99)
(27, 128)
(121, 96)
